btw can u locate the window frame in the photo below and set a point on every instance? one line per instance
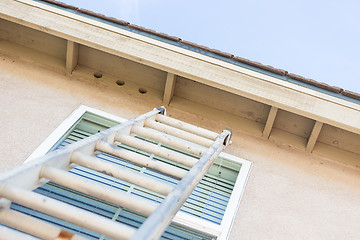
(221, 231)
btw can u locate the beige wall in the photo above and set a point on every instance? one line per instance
(290, 194)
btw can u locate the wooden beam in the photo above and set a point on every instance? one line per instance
(72, 53)
(314, 136)
(270, 122)
(169, 88)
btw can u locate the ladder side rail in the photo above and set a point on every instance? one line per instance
(155, 225)
(27, 175)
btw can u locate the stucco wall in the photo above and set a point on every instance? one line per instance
(290, 194)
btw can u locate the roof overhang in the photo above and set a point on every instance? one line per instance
(80, 29)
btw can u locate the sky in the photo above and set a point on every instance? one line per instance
(317, 39)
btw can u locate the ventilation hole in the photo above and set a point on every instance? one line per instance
(98, 75)
(142, 90)
(120, 82)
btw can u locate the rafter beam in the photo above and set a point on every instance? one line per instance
(270, 122)
(169, 88)
(72, 53)
(314, 136)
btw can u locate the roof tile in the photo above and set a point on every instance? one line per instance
(262, 66)
(176, 39)
(220, 53)
(117, 21)
(195, 45)
(61, 4)
(91, 13)
(351, 94)
(315, 83)
(142, 28)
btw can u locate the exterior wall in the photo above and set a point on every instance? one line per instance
(290, 194)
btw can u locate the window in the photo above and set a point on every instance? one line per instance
(207, 214)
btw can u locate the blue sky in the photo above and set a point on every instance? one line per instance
(316, 39)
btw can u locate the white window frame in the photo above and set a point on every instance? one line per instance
(221, 231)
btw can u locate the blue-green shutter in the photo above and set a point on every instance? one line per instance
(208, 201)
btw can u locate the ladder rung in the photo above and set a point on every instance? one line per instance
(10, 234)
(141, 160)
(178, 133)
(157, 150)
(67, 212)
(34, 226)
(98, 190)
(169, 140)
(187, 127)
(122, 173)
